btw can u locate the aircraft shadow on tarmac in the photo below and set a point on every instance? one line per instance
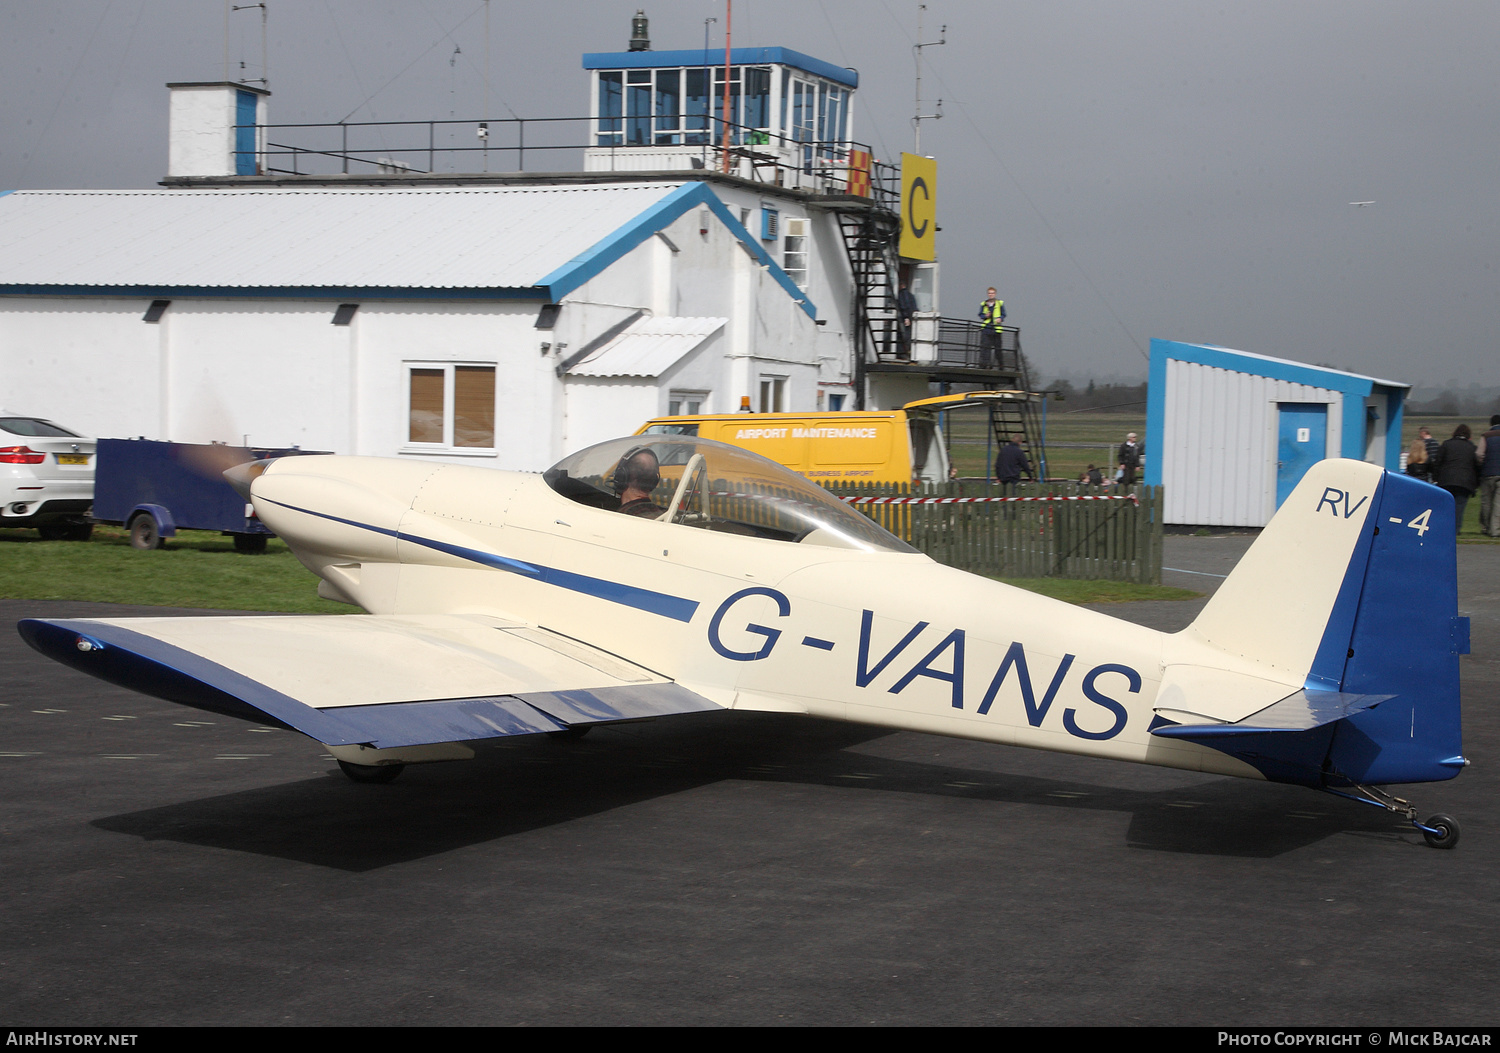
(533, 783)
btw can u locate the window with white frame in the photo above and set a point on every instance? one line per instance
(684, 106)
(686, 403)
(794, 251)
(450, 405)
(772, 394)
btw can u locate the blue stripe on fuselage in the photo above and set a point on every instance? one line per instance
(675, 607)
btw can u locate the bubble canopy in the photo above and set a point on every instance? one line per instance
(714, 486)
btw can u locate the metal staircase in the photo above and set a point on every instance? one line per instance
(870, 236)
(1019, 416)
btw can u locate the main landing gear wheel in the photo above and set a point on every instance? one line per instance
(65, 531)
(144, 533)
(571, 734)
(1441, 831)
(250, 544)
(371, 772)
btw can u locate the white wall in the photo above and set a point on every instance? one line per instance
(90, 364)
(270, 370)
(279, 372)
(710, 275)
(1219, 452)
(596, 404)
(392, 335)
(201, 129)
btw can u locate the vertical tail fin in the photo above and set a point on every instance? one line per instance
(1351, 588)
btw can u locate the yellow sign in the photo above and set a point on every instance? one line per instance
(918, 207)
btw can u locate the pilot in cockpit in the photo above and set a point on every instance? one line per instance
(636, 475)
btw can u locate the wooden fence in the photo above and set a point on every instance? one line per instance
(1102, 536)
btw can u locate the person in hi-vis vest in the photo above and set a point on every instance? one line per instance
(991, 318)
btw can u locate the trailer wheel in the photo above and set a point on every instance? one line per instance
(144, 533)
(250, 543)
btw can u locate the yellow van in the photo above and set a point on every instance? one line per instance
(885, 446)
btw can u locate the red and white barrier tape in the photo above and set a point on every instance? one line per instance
(983, 500)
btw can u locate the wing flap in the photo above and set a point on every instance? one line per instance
(385, 681)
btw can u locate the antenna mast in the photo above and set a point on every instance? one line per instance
(919, 116)
(265, 71)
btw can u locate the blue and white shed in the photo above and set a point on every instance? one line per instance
(1230, 433)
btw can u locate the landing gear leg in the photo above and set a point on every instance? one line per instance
(1439, 831)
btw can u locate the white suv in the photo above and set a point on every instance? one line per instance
(46, 478)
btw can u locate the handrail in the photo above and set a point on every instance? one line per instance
(825, 166)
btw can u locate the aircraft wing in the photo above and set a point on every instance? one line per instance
(378, 680)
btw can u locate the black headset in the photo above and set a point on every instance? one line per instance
(632, 476)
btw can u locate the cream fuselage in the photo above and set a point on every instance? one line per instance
(885, 638)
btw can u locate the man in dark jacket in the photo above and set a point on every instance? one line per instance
(1011, 463)
(1489, 479)
(1456, 469)
(1130, 459)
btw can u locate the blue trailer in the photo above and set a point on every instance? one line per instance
(156, 488)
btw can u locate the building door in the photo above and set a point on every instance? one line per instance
(1301, 442)
(244, 133)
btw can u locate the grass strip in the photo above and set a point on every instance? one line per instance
(196, 569)
(202, 569)
(1070, 591)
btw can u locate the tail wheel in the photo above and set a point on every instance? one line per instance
(144, 533)
(371, 772)
(1446, 831)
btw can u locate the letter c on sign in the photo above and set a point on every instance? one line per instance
(911, 207)
(783, 608)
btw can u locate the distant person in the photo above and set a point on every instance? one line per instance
(1129, 459)
(636, 475)
(1488, 451)
(1091, 476)
(1428, 441)
(1011, 463)
(906, 304)
(991, 321)
(1456, 469)
(1417, 464)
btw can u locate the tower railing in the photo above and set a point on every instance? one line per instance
(513, 145)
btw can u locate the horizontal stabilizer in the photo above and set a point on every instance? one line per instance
(1301, 711)
(384, 681)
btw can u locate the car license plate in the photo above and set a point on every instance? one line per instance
(72, 458)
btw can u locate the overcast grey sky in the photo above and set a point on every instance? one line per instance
(1119, 170)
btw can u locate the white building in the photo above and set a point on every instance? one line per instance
(376, 308)
(511, 323)
(1230, 433)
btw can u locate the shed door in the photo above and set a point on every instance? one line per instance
(1301, 442)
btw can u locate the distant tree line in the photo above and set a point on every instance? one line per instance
(1122, 398)
(1473, 401)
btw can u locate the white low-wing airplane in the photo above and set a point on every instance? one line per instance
(504, 603)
